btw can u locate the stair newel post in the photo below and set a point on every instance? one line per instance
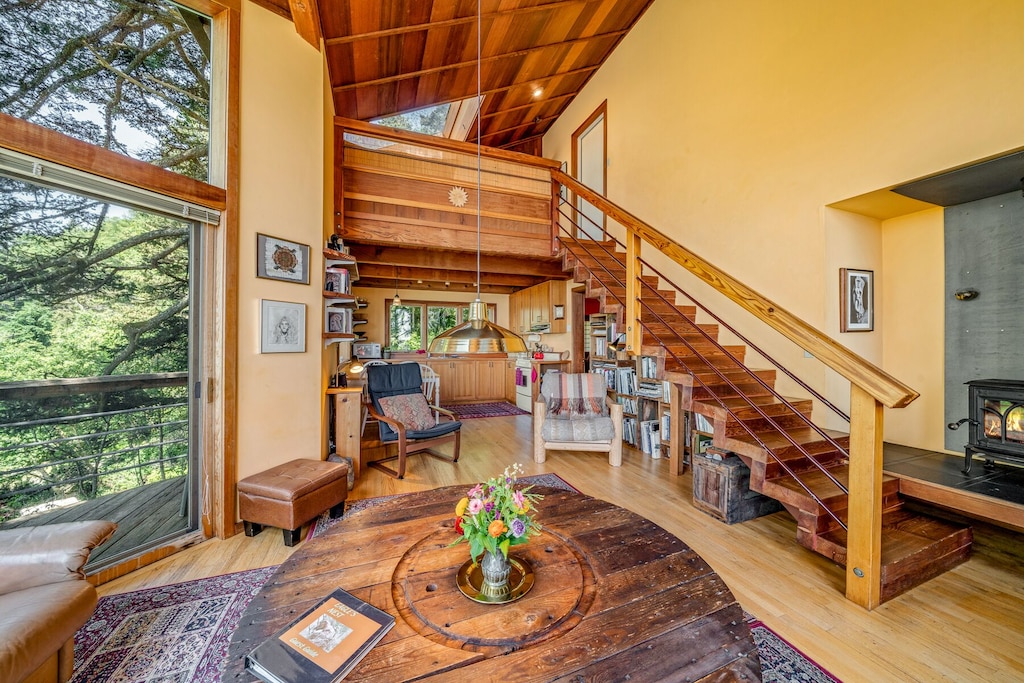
(634, 270)
(864, 533)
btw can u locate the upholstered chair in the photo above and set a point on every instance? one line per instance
(573, 413)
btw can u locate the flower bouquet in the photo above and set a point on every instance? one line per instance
(495, 515)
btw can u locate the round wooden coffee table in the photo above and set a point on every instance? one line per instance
(616, 597)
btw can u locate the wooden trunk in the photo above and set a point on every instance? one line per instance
(721, 488)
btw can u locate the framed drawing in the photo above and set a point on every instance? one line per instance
(282, 327)
(559, 313)
(856, 300)
(279, 259)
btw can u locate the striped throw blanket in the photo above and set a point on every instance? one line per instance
(571, 395)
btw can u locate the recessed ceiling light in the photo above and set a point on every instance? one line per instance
(537, 92)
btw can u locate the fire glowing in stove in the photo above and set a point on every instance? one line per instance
(993, 422)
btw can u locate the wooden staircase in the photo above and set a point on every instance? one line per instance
(790, 460)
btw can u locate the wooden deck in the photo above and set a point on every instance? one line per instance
(143, 515)
(994, 494)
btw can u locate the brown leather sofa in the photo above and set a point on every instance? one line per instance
(44, 597)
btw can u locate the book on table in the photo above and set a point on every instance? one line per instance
(322, 645)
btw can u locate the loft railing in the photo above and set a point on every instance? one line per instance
(83, 438)
(871, 389)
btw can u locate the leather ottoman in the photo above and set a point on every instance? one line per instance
(291, 494)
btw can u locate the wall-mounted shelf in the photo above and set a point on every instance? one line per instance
(340, 271)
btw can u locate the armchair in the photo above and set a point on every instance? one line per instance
(405, 418)
(44, 597)
(573, 413)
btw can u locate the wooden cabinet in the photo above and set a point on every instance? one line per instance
(510, 381)
(490, 380)
(474, 379)
(536, 306)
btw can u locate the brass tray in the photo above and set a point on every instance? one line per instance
(520, 579)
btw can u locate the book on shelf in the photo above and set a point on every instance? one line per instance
(322, 645)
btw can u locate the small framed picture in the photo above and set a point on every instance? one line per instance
(279, 259)
(559, 312)
(856, 300)
(282, 327)
(335, 321)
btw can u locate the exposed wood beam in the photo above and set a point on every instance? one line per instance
(473, 62)
(306, 16)
(378, 283)
(470, 19)
(549, 269)
(519, 141)
(381, 270)
(560, 74)
(535, 122)
(435, 142)
(541, 102)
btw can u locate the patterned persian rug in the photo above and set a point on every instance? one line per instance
(470, 411)
(180, 633)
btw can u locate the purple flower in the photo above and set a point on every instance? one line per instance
(518, 527)
(489, 506)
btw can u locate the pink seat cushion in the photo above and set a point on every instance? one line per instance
(574, 395)
(409, 409)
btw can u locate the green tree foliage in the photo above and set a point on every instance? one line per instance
(88, 289)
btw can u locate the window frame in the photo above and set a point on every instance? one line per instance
(492, 314)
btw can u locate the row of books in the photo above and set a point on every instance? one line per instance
(650, 438)
(628, 405)
(656, 390)
(625, 380)
(337, 280)
(648, 367)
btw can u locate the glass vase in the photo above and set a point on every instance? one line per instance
(495, 569)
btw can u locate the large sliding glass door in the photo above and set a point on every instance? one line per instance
(99, 401)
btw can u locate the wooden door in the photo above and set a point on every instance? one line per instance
(510, 381)
(589, 166)
(446, 376)
(463, 382)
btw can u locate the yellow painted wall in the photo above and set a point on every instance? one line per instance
(281, 185)
(733, 124)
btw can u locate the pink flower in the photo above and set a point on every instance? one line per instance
(518, 498)
(476, 491)
(475, 506)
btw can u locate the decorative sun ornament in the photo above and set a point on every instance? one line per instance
(457, 197)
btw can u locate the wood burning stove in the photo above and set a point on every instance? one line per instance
(996, 421)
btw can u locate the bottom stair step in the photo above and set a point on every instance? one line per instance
(915, 548)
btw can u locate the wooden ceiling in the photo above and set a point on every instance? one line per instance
(391, 56)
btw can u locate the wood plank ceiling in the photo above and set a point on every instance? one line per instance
(391, 56)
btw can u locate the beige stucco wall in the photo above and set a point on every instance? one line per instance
(281, 184)
(734, 124)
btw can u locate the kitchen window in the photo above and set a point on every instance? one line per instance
(412, 325)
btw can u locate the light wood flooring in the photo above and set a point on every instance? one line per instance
(966, 625)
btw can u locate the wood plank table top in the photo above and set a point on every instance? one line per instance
(616, 598)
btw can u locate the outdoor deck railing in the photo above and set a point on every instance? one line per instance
(82, 438)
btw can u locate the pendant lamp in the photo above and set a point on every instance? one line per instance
(397, 301)
(478, 334)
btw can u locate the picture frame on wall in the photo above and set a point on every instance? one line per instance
(282, 327)
(856, 300)
(278, 259)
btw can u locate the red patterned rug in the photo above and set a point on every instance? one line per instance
(471, 411)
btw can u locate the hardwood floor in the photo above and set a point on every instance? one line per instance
(966, 625)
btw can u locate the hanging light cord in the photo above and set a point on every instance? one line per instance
(479, 175)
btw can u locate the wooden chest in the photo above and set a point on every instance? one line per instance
(721, 488)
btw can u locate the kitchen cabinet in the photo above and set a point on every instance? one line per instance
(490, 380)
(536, 306)
(510, 380)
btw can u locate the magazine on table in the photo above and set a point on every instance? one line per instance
(322, 645)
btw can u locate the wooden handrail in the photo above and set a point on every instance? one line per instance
(883, 387)
(445, 144)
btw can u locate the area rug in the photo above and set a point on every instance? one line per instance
(471, 411)
(171, 634)
(780, 661)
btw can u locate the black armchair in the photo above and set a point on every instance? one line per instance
(405, 417)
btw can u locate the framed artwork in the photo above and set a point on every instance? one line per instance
(559, 312)
(279, 259)
(282, 327)
(856, 300)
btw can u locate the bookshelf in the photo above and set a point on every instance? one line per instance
(340, 306)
